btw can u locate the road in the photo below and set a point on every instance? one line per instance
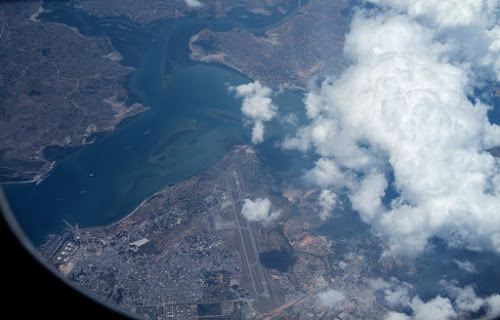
(276, 313)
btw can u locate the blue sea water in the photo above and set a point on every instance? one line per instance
(192, 123)
(103, 181)
(182, 134)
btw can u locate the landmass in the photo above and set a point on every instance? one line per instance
(59, 90)
(187, 252)
(310, 34)
(147, 11)
(307, 44)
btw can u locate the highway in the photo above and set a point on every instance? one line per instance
(278, 312)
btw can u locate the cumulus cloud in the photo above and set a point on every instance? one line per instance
(493, 306)
(399, 295)
(325, 173)
(259, 211)
(327, 201)
(465, 298)
(331, 298)
(392, 315)
(193, 3)
(447, 13)
(470, 26)
(437, 308)
(258, 132)
(466, 266)
(403, 109)
(396, 293)
(366, 198)
(290, 120)
(257, 106)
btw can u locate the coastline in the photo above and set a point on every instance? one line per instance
(234, 149)
(130, 113)
(43, 199)
(128, 215)
(37, 179)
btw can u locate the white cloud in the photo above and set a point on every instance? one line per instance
(257, 106)
(327, 201)
(193, 3)
(465, 299)
(325, 173)
(258, 132)
(396, 293)
(290, 120)
(259, 211)
(493, 306)
(466, 266)
(403, 106)
(399, 295)
(437, 308)
(447, 13)
(471, 26)
(392, 315)
(366, 199)
(331, 298)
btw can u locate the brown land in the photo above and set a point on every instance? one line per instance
(308, 44)
(188, 247)
(58, 89)
(146, 11)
